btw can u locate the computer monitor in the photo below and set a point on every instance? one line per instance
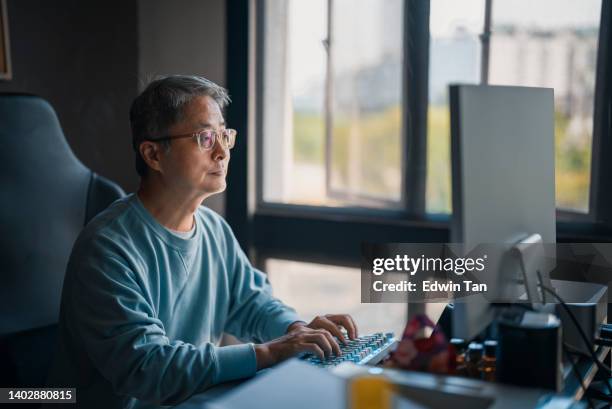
(503, 181)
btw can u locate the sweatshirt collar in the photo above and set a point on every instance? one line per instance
(184, 244)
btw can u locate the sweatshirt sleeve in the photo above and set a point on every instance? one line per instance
(109, 315)
(254, 313)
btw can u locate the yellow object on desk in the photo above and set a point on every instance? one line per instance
(369, 392)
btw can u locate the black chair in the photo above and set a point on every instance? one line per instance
(46, 197)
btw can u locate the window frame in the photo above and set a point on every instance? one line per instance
(600, 198)
(333, 235)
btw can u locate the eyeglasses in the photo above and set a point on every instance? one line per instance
(206, 138)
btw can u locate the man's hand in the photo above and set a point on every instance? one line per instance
(334, 323)
(317, 337)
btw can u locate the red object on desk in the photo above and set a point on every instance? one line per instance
(433, 354)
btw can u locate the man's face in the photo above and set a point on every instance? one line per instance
(185, 166)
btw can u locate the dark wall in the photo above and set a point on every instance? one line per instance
(82, 56)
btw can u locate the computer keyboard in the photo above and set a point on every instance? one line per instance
(365, 350)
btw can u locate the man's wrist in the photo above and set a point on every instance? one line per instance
(262, 356)
(295, 325)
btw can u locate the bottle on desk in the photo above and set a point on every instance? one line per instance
(460, 351)
(474, 360)
(489, 360)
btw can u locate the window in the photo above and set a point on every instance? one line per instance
(554, 45)
(332, 124)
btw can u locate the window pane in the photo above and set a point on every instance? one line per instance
(359, 161)
(454, 56)
(293, 96)
(315, 289)
(555, 47)
(366, 57)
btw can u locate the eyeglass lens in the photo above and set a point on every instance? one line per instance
(206, 139)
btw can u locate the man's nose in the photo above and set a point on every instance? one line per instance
(220, 152)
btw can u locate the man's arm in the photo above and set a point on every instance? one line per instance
(256, 314)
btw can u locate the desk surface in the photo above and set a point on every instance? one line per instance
(450, 391)
(199, 401)
(293, 384)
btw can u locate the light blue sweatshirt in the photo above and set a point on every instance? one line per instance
(143, 310)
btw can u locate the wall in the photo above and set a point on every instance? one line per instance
(82, 57)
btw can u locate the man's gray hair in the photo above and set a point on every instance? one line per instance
(161, 105)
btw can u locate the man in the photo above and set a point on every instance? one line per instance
(155, 280)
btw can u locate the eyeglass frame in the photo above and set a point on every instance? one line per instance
(195, 134)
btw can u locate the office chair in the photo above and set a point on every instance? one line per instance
(46, 197)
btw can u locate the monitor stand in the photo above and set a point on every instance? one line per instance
(587, 301)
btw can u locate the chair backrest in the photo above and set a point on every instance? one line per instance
(46, 197)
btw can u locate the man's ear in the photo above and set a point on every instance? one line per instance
(151, 153)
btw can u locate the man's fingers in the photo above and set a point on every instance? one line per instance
(356, 333)
(333, 329)
(314, 349)
(332, 341)
(321, 340)
(347, 322)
